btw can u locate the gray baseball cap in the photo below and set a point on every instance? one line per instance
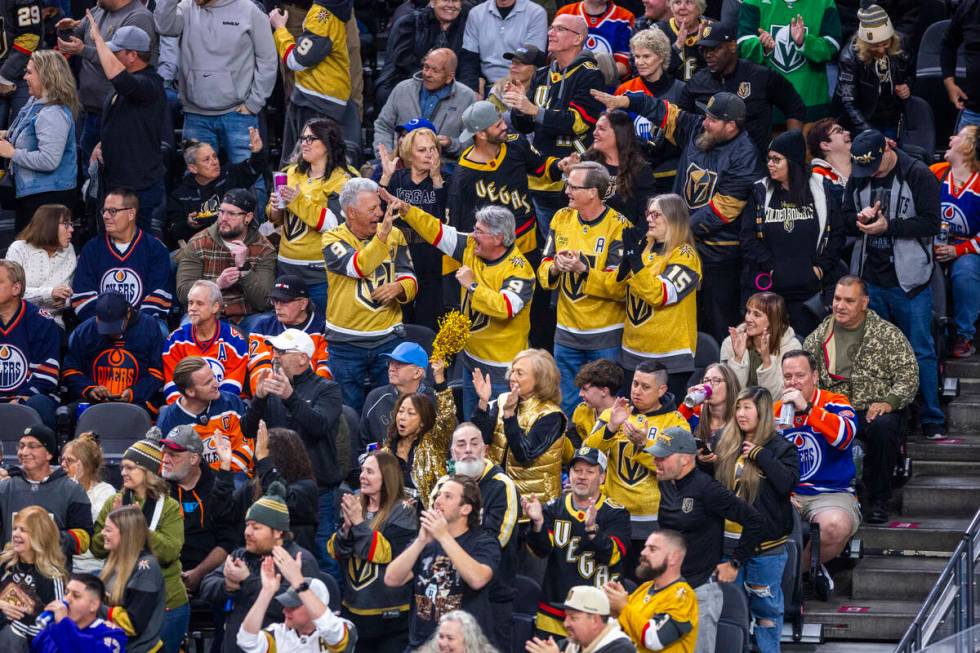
(291, 599)
(477, 117)
(183, 438)
(671, 441)
(130, 37)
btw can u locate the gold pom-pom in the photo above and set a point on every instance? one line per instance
(454, 330)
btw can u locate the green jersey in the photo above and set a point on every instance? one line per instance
(804, 66)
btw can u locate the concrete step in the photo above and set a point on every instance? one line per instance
(964, 368)
(914, 535)
(956, 446)
(955, 496)
(969, 386)
(840, 647)
(852, 619)
(888, 577)
(963, 413)
(944, 467)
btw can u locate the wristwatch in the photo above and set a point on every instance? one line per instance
(302, 587)
(735, 564)
(473, 287)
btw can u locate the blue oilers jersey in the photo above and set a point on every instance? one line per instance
(823, 438)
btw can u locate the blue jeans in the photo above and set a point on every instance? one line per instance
(326, 528)
(227, 132)
(966, 294)
(569, 362)
(913, 317)
(762, 577)
(152, 205)
(968, 118)
(88, 137)
(470, 399)
(352, 365)
(45, 407)
(318, 295)
(175, 624)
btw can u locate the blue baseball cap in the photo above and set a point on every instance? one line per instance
(409, 352)
(417, 123)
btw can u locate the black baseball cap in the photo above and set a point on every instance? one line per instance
(528, 54)
(724, 106)
(866, 152)
(243, 199)
(110, 313)
(715, 33)
(590, 455)
(289, 287)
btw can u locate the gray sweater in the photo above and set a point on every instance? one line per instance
(403, 104)
(93, 85)
(227, 55)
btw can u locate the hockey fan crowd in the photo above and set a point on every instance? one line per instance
(458, 326)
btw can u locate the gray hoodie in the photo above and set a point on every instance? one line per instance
(227, 55)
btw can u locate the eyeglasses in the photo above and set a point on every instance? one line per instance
(481, 232)
(654, 213)
(29, 445)
(112, 212)
(574, 187)
(775, 160)
(67, 223)
(562, 28)
(308, 140)
(231, 213)
(713, 380)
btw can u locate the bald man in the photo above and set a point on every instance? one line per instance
(433, 94)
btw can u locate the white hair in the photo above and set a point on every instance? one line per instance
(353, 188)
(213, 290)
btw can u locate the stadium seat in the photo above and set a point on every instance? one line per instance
(919, 128)
(708, 352)
(929, 79)
(353, 420)
(420, 335)
(15, 418)
(733, 624)
(118, 425)
(525, 609)
(942, 325)
(793, 579)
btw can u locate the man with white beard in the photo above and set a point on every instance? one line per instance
(501, 510)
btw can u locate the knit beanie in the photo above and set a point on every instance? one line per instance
(148, 452)
(46, 437)
(271, 509)
(791, 145)
(874, 25)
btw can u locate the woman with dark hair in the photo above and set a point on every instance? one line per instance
(615, 146)
(762, 468)
(378, 524)
(709, 417)
(754, 349)
(423, 184)
(45, 252)
(310, 206)
(792, 231)
(134, 584)
(419, 435)
(279, 456)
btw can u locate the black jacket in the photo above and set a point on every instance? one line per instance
(411, 37)
(858, 88)
(760, 87)
(313, 411)
(780, 465)
(697, 506)
(964, 30)
(768, 246)
(206, 523)
(302, 500)
(191, 197)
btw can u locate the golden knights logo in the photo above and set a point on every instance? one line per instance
(292, 227)
(384, 273)
(637, 310)
(478, 321)
(786, 56)
(744, 90)
(124, 281)
(13, 368)
(361, 573)
(572, 284)
(630, 470)
(699, 186)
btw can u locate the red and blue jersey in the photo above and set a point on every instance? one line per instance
(609, 32)
(29, 353)
(141, 273)
(823, 439)
(226, 352)
(960, 207)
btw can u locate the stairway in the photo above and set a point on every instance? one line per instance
(878, 598)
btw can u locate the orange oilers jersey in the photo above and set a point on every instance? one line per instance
(222, 417)
(226, 352)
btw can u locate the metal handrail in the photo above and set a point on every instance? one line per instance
(954, 587)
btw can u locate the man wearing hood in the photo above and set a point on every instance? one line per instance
(35, 482)
(623, 432)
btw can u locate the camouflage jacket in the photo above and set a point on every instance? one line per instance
(882, 369)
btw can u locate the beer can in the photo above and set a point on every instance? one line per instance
(279, 180)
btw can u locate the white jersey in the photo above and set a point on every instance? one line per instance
(332, 634)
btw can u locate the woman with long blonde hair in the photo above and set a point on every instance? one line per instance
(41, 140)
(762, 468)
(34, 562)
(529, 448)
(83, 461)
(133, 579)
(377, 526)
(662, 272)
